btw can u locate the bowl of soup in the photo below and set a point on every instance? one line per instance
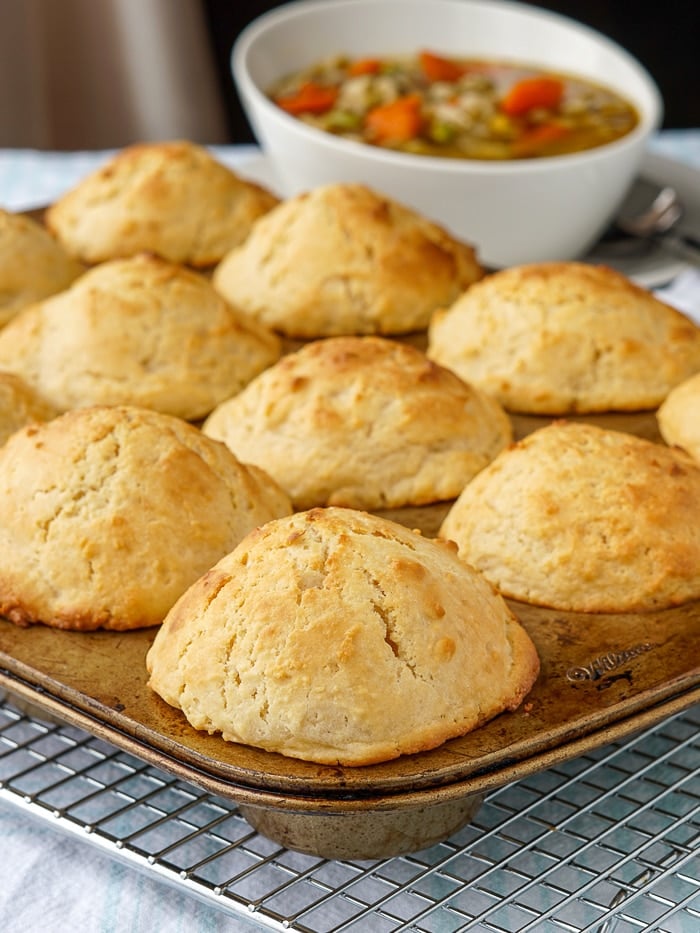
(517, 129)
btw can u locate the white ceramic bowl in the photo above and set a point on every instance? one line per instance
(513, 212)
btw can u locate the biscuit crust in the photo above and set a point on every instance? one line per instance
(138, 331)
(679, 417)
(364, 422)
(558, 338)
(580, 518)
(338, 637)
(173, 199)
(343, 259)
(33, 264)
(108, 514)
(20, 405)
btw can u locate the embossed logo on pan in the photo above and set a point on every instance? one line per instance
(605, 663)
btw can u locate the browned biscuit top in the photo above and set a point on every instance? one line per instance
(364, 422)
(336, 636)
(554, 338)
(138, 331)
(581, 518)
(343, 259)
(173, 199)
(107, 514)
(33, 264)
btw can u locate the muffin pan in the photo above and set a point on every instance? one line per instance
(603, 676)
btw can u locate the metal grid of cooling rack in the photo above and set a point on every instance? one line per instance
(607, 843)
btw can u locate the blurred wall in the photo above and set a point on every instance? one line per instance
(663, 36)
(90, 74)
(84, 74)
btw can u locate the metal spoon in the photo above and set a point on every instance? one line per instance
(649, 210)
(652, 212)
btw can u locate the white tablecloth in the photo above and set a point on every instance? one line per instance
(57, 883)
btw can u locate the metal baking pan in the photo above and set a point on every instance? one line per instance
(602, 676)
(596, 670)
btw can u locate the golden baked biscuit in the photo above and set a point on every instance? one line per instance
(679, 417)
(338, 637)
(580, 518)
(343, 259)
(20, 405)
(173, 199)
(364, 422)
(554, 338)
(138, 331)
(33, 265)
(107, 515)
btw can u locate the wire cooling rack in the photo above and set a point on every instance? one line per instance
(608, 842)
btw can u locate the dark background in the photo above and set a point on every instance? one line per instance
(664, 36)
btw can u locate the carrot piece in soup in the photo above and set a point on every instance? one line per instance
(310, 98)
(439, 68)
(529, 93)
(364, 66)
(533, 140)
(397, 121)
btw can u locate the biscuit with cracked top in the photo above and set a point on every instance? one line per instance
(566, 337)
(173, 199)
(108, 514)
(335, 636)
(343, 259)
(138, 331)
(580, 518)
(365, 422)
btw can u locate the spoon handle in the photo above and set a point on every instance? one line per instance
(683, 245)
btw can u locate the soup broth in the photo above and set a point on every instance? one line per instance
(464, 108)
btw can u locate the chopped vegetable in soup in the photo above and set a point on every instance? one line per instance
(436, 105)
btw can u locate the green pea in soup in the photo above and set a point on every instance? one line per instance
(461, 108)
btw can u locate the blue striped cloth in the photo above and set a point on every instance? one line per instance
(32, 178)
